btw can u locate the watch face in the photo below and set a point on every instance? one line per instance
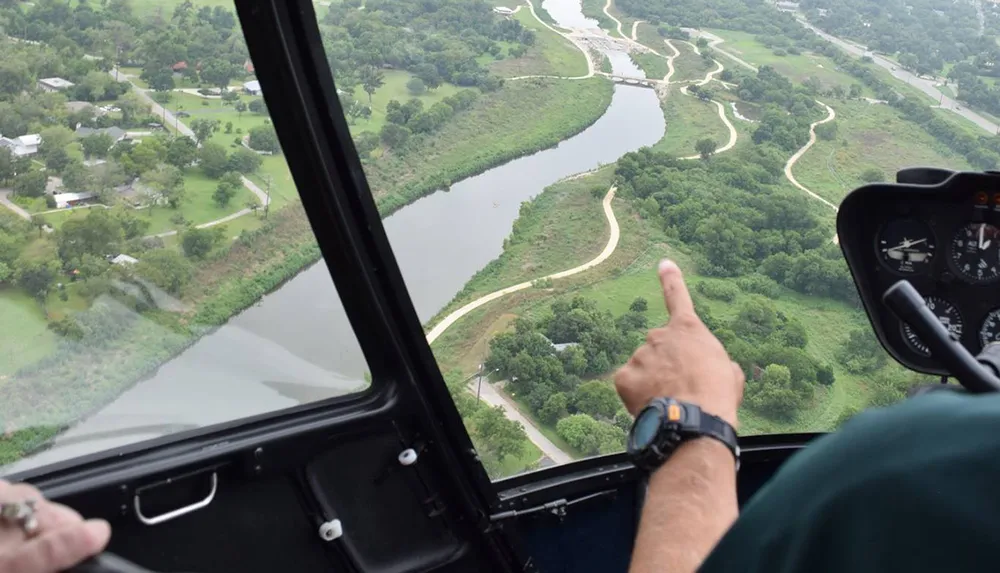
(645, 428)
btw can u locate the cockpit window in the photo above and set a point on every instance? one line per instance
(532, 161)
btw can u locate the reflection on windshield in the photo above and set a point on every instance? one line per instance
(533, 161)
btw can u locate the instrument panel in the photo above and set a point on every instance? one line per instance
(943, 236)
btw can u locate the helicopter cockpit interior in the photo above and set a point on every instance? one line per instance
(389, 480)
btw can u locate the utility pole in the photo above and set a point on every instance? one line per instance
(479, 388)
(267, 205)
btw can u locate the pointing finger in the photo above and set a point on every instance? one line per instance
(675, 292)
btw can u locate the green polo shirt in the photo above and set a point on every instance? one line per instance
(911, 488)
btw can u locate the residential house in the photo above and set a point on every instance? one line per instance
(124, 259)
(22, 146)
(64, 200)
(503, 10)
(54, 84)
(252, 88)
(117, 134)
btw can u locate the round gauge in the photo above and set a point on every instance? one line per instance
(990, 330)
(906, 246)
(946, 313)
(975, 253)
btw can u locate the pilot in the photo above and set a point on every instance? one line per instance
(40, 536)
(909, 488)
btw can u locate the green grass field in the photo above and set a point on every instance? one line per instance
(395, 89)
(522, 117)
(688, 120)
(198, 206)
(25, 337)
(691, 66)
(797, 68)
(869, 136)
(654, 66)
(551, 55)
(647, 35)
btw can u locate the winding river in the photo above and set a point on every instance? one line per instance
(296, 345)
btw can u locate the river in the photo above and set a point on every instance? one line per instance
(296, 344)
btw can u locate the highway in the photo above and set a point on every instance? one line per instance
(923, 84)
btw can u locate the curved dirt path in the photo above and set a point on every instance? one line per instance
(733, 134)
(591, 69)
(670, 61)
(607, 5)
(609, 249)
(798, 155)
(635, 28)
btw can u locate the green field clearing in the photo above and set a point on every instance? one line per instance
(654, 66)
(796, 68)
(869, 136)
(25, 337)
(551, 55)
(689, 65)
(395, 89)
(688, 120)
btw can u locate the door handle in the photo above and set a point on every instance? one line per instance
(164, 517)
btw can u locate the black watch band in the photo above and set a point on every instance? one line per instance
(666, 423)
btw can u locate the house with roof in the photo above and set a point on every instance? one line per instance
(54, 84)
(252, 87)
(64, 200)
(117, 134)
(22, 146)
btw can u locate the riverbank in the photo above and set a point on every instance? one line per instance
(87, 377)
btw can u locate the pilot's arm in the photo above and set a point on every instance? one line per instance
(691, 500)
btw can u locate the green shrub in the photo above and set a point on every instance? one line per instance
(726, 292)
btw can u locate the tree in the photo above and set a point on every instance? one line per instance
(204, 128)
(97, 234)
(96, 145)
(57, 159)
(91, 266)
(168, 183)
(872, 175)
(197, 243)
(861, 352)
(855, 91)
(597, 398)
(55, 137)
(416, 86)
(133, 108)
(230, 96)
(15, 76)
(218, 72)
(37, 276)
(428, 74)
(253, 203)
(144, 157)
(827, 131)
(182, 152)
(166, 268)
(6, 273)
(501, 436)
(229, 127)
(213, 160)
(263, 138)
(705, 148)
(702, 43)
(6, 165)
(589, 435)
(639, 305)
(393, 135)
(555, 408)
(160, 79)
(240, 107)
(227, 188)
(372, 79)
(77, 177)
(30, 184)
(242, 160)
(257, 106)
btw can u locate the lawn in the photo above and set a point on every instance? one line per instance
(688, 120)
(551, 55)
(25, 337)
(796, 68)
(869, 136)
(647, 35)
(394, 89)
(198, 206)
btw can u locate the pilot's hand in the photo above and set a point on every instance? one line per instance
(62, 538)
(681, 360)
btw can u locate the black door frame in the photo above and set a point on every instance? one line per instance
(284, 42)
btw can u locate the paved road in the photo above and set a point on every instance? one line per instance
(5, 200)
(157, 109)
(923, 84)
(491, 396)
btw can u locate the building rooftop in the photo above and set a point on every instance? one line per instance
(57, 83)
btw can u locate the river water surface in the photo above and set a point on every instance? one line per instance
(296, 345)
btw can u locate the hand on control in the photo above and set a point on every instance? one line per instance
(60, 540)
(681, 360)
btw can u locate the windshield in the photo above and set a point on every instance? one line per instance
(532, 159)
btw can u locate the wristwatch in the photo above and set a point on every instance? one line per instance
(666, 423)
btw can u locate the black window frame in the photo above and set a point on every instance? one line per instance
(285, 44)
